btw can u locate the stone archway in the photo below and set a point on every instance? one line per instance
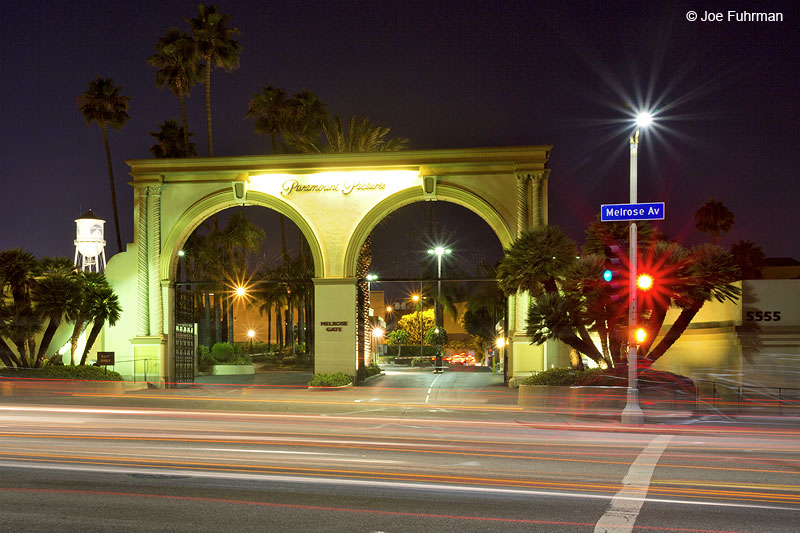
(335, 200)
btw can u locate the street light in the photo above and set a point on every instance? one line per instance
(251, 333)
(632, 414)
(417, 299)
(439, 251)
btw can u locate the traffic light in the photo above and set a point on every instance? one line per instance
(614, 273)
(644, 282)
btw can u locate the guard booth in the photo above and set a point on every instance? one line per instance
(335, 200)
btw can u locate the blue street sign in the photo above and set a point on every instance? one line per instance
(628, 212)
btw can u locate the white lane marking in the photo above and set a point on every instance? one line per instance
(372, 483)
(626, 504)
(431, 388)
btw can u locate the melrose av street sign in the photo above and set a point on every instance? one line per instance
(631, 212)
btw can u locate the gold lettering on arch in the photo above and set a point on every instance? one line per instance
(292, 185)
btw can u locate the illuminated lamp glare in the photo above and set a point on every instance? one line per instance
(645, 282)
(644, 119)
(641, 335)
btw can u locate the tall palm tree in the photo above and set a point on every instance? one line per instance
(214, 43)
(171, 139)
(750, 258)
(361, 136)
(178, 68)
(298, 120)
(713, 217)
(102, 103)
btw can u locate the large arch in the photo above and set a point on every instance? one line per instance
(219, 201)
(445, 193)
(335, 200)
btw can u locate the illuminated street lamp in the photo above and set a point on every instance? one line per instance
(417, 299)
(632, 414)
(251, 334)
(439, 251)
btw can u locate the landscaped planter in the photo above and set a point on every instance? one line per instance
(233, 370)
(601, 400)
(330, 387)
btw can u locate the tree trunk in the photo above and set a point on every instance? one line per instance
(184, 122)
(96, 327)
(269, 328)
(47, 338)
(207, 320)
(217, 320)
(8, 356)
(208, 106)
(231, 332)
(104, 127)
(76, 333)
(675, 332)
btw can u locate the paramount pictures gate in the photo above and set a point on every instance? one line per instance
(185, 352)
(335, 200)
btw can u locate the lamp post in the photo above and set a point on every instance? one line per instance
(632, 414)
(439, 251)
(417, 298)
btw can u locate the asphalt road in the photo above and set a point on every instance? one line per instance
(410, 451)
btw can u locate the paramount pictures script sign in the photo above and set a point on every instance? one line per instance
(345, 188)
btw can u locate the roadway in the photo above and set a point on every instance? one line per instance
(409, 451)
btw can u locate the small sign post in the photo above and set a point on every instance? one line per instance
(104, 359)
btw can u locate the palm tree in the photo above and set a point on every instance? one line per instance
(750, 258)
(89, 282)
(713, 217)
(101, 305)
(18, 271)
(361, 136)
(102, 103)
(171, 139)
(708, 276)
(215, 45)
(57, 297)
(178, 68)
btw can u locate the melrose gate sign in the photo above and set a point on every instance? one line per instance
(335, 200)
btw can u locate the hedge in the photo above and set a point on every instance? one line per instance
(80, 372)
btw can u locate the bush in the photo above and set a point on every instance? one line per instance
(614, 377)
(560, 376)
(373, 370)
(205, 364)
(338, 379)
(203, 351)
(85, 373)
(422, 361)
(222, 352)
(289, 360)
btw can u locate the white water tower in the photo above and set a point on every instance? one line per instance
(90, 243)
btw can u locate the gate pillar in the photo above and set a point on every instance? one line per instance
(335, 325)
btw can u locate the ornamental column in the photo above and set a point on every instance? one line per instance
(154, 259)
(142, 280)
(522, 204)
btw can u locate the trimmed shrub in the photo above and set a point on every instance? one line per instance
(85, 373)
(615, 377)
(222, 352)
(373, 370)
(422, 361)
(338, 379)
(203, 351)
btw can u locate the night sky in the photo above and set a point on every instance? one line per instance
(444, 75)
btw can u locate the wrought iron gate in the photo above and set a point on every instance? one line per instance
(184, 336)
